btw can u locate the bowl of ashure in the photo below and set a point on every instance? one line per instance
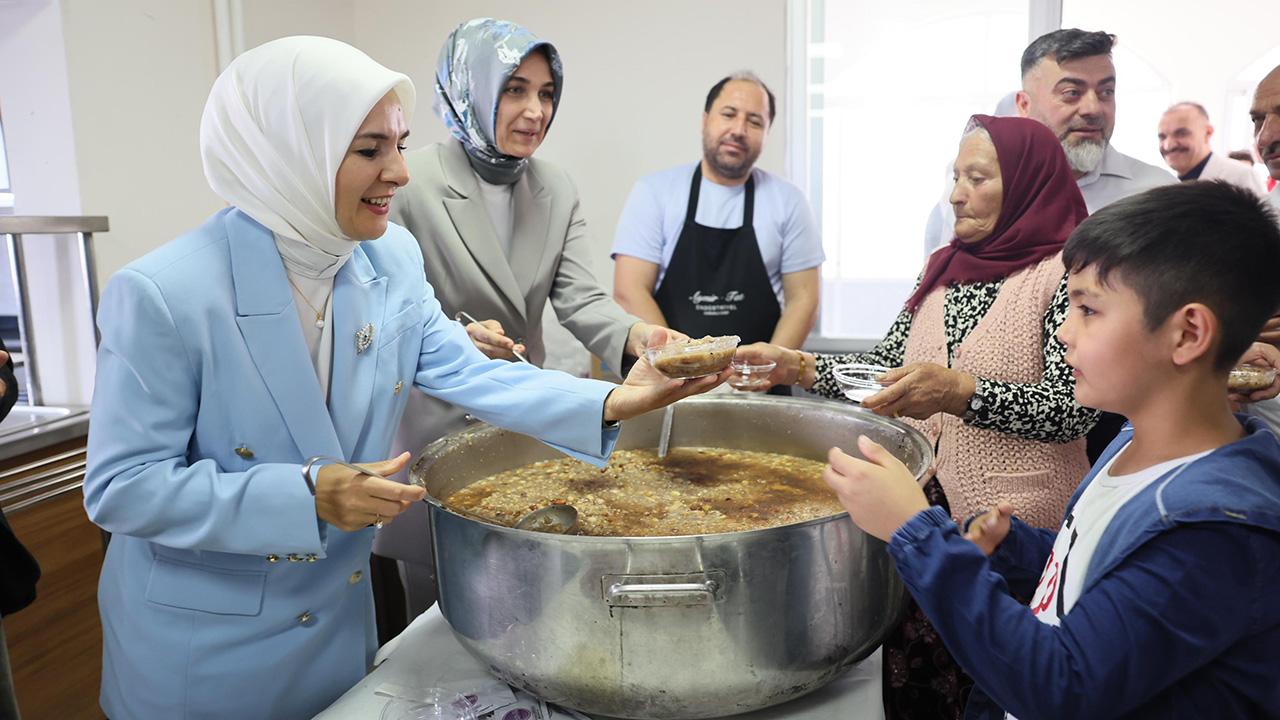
(1250, 378)
(693, 358)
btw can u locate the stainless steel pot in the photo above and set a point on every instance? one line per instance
(669, 627)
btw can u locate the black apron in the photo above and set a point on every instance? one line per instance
(716, 282)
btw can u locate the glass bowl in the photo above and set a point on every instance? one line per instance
(858, 381)
(748, 376)
(1246, 379)
(693, 358)
(432, 704)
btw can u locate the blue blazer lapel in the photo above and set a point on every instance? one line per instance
(272, 332)
(359, 303)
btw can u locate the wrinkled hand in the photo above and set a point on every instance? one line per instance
(784, 373)
(990, 528)
(349, 500)
(879, 492)
(646, 389)
(491, 340)
(1271, 332)
(920, 390)
(639, 338)
(1260, 353)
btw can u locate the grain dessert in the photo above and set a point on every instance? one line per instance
(693, 491)
(1250, 378)
(693, 358)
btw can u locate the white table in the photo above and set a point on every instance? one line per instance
(427, 650)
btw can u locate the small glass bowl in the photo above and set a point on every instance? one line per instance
(748, 376)
(693, 358)
(433, 704)
(1246, 379)
(859, 381)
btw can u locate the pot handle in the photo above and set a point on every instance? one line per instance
(662, 591)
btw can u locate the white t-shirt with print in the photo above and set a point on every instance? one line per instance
(1063, 578)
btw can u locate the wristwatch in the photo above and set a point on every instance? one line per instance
(974, 405)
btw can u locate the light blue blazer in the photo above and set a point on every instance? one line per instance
(222, 594)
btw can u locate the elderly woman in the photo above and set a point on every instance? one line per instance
(501, 234)
(976, 365)
(284, 327)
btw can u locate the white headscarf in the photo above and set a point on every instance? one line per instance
(276, 127)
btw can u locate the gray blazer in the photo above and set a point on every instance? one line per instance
(550, 259)
(550, 252)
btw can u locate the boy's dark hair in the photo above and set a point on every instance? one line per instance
(748, 76)
(1066, 45)
(1206, 242)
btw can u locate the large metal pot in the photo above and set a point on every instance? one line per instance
(669, 627)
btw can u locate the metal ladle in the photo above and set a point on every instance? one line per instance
(556, 519)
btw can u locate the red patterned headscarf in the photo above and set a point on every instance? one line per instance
(1042, 205)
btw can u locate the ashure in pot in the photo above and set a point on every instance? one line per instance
(669, 627)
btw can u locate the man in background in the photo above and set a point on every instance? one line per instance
(1184, 133)
(1069, 84)
(719, 246)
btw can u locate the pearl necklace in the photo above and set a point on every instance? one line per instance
(319, 313)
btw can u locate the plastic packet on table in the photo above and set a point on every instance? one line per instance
(486, 692)
(525, 707)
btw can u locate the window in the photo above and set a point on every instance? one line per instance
(880, 93)
(890, 89)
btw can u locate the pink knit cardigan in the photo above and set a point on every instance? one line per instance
(978, 468)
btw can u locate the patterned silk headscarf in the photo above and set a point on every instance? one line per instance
(475, 63)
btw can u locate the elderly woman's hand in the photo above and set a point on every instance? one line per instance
(489, 337)
(879, 492)
(920, 390)
(786, 362)
(349, 500)
(1263, 354)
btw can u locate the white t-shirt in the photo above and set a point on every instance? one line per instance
(1068, 564)
(653, 217)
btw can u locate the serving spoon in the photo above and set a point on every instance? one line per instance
(556, 519)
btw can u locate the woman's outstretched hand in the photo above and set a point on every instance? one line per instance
(646, 389)
(349, 500)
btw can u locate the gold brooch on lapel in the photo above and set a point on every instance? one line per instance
(364, 338)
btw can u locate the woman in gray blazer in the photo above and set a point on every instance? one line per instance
(501, 234)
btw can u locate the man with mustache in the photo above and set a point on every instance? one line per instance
(721, 247)
(1184, 134)
(1265, 114)
(1069, 84)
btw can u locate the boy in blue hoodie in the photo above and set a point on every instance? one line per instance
(1159, 596)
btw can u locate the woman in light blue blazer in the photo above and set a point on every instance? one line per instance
(232, 587)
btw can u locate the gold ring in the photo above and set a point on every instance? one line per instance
(377, 521)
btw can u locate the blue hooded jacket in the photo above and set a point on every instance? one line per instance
(1177, 617)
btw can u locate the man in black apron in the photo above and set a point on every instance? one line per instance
(716, 282)
(721, 278)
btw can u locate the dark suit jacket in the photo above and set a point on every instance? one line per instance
(18, 570)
